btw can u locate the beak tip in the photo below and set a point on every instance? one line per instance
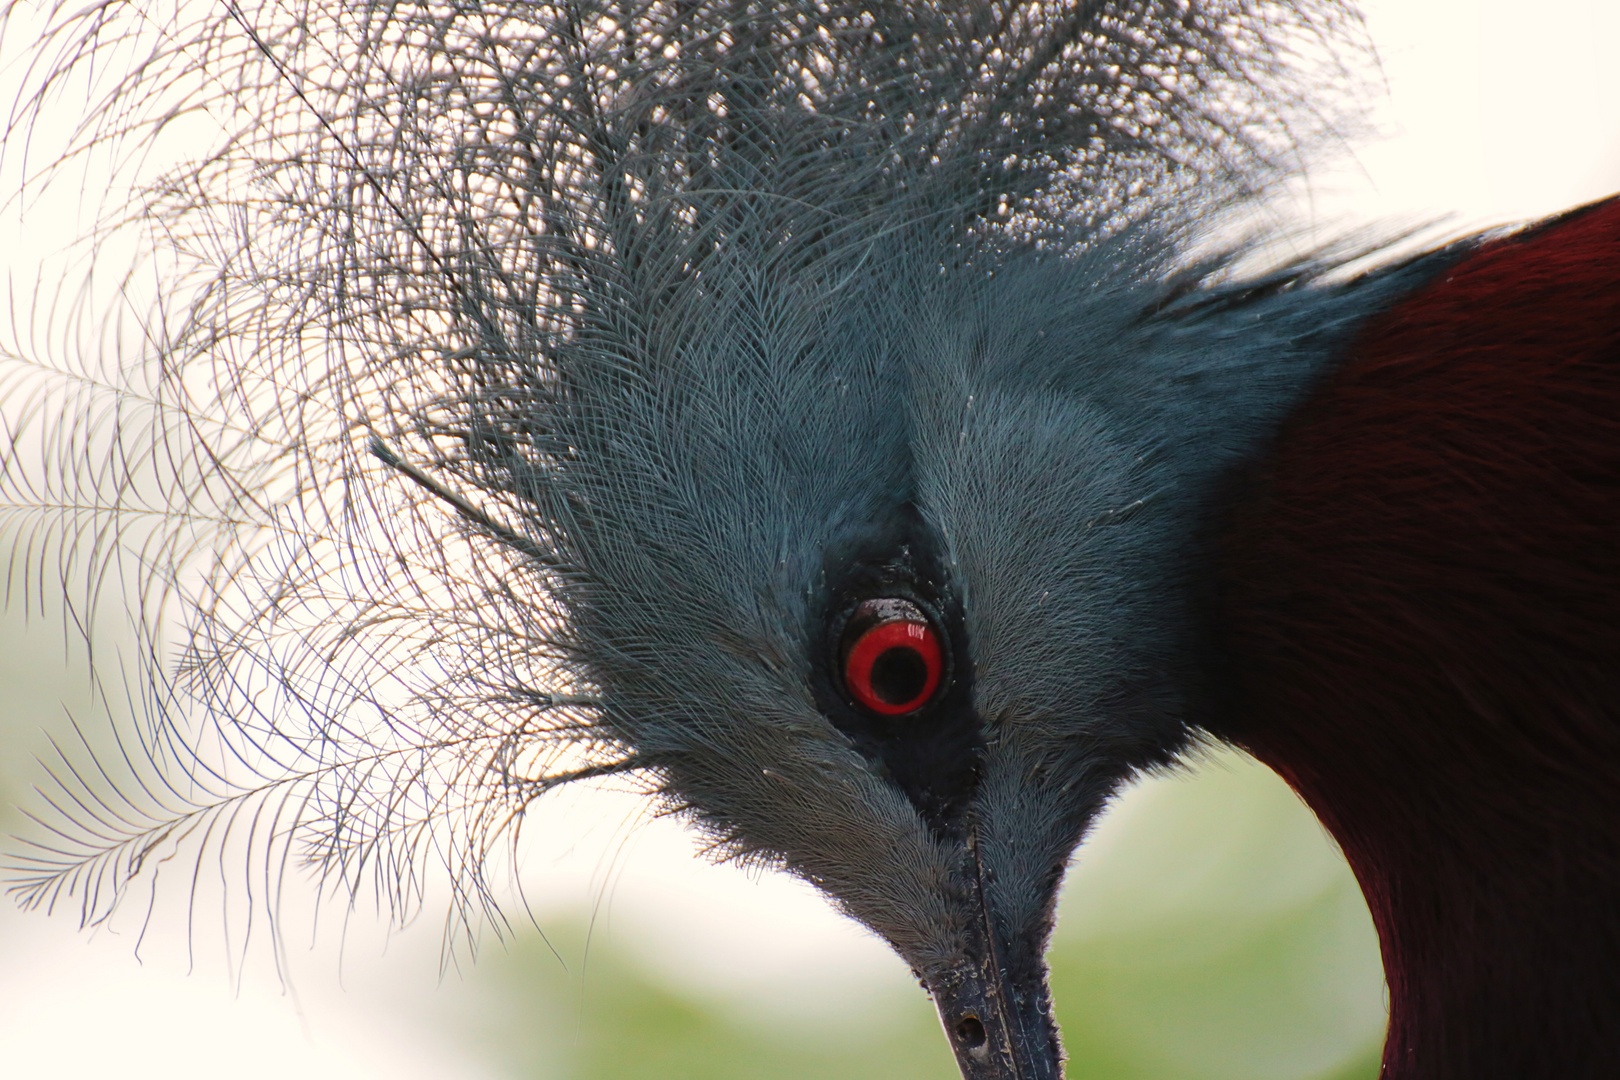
(996, 1034)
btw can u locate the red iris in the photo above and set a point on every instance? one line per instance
(895, 665)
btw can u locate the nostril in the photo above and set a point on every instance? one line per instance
(970, 1031)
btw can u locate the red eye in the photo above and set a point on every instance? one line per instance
(892, 657)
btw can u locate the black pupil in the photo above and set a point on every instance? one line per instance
(899, 675)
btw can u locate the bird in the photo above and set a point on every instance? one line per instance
(881, 432)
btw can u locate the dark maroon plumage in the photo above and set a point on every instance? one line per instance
(1422, 603)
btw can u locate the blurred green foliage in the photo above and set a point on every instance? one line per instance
(615, 1020)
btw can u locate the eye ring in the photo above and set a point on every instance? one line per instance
(892, 659)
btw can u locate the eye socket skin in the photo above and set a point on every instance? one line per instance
(892, 659)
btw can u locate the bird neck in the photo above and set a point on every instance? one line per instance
(1417, 610)
(1498, 930)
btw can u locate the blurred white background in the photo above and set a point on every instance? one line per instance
(1491, 116)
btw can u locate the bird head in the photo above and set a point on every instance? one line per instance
(878, 613)
(811, 409)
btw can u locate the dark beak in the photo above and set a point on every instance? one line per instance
(998, 1029)
(995, 1005)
